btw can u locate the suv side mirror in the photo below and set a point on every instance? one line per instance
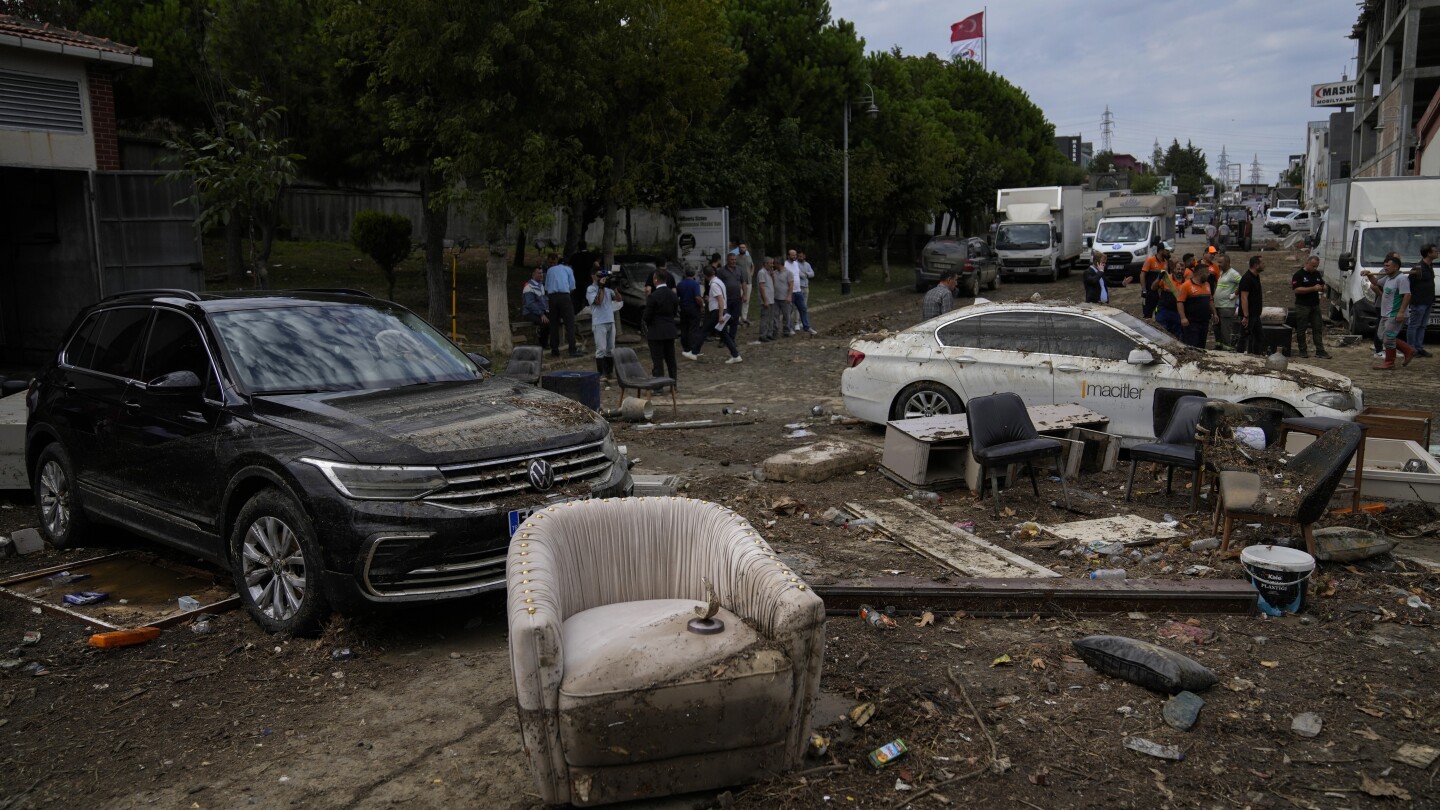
(176, 382)
(1140, 357)
(1347, 262)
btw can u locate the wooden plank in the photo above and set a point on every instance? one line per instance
(1127, 529)
(1030, 596)
(917, 529)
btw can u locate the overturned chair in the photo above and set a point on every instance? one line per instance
(624, 691)
(1300, 496)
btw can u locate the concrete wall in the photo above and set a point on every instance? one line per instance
(48, 150)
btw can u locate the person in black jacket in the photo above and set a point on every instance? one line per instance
(1095, 292)
(659, 317)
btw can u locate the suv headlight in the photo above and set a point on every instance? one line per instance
(379, 482)
(1335, 400)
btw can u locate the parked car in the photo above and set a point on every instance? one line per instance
(1103, 358)
(1282, 221)
(634, 284)
(1241, 227)
(1202, 218)
(970, 257)
(328, 449)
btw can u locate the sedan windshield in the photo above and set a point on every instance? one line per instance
(1148, 331)
(1134, 231)
(336, 347)
(1022, 236)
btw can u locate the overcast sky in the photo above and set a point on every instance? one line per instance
(1232, 73)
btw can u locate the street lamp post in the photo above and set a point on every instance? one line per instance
(872, 111)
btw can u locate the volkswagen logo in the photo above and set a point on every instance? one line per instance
(542, 475)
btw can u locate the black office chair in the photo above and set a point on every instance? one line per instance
(1164, 404)
(1176, 447)
(524, 364)
(629, 373)
(1001, 433)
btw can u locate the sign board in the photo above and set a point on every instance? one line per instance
(1334, 94)
(701, 232)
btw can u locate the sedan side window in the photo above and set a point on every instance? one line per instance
(1015, 331)
(117, 342)
(1083, 337)
(961, 334)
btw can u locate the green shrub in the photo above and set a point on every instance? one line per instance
(385, 238)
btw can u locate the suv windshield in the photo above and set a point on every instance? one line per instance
(1137, 231)
(1022, 236)
(336, 347)
(1203, 217)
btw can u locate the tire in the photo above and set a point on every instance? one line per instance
(276, 564)
(1356, 323)
(925, 399)
(62, 516)
(994, 282)
(1283, 230)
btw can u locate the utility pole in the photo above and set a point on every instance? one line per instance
(1255, 170)
(1107, 129)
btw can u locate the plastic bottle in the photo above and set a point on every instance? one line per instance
(1108, 573)
(860, 523)
(876, 618)
(1207, 544)
(922, 495)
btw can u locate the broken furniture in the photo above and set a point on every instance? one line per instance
(1052, 596)
(1316, 426)
(1001, 433)
(1176, 447)
(951, 546)
(630, 374)
(524, 364)
(933, 452)
(1394, 469)
(1301, 493)
(623, 691)
(1396, 423)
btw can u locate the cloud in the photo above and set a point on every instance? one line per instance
(1228, 73)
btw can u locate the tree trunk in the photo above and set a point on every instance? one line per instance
(497, 282)
(885, 252)
(234, 251)
(575, 224)
(612, 212)
(520, 249)
(434, 218)
(629, 232)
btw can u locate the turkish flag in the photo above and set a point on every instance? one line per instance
(971, 27)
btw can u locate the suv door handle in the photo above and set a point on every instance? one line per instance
(965, 359)
(130, 405)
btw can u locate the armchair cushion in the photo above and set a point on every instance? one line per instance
(998, 454)
(1241, 491)
(639, 686)
(1177, 455)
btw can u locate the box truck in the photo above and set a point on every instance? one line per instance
(1041, 233)
(1131, 230)
(1366, 219)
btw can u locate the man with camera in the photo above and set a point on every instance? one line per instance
(604, 301)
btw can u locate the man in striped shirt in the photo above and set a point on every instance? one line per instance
(938, 301)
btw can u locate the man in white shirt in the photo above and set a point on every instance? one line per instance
(715, 318)
(800, 274)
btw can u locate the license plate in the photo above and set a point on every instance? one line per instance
(518, 516)
(941, 265)
(1434, 319)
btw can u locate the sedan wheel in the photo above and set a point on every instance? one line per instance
(925, 399)
(277, 565)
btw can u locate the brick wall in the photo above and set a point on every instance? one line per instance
(102, 119)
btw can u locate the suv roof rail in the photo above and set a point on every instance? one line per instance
(155, 292)
(336, 290)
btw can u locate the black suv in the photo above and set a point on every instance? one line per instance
(328, 448)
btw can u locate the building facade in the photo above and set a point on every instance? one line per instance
(1398, 73)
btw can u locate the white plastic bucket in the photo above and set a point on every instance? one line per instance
(1281, 575)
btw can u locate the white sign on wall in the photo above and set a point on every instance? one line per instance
(701, 232)
(1334, 94)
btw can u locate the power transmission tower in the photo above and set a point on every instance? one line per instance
(1255, 170)
(1224, 167)
(1107, 129)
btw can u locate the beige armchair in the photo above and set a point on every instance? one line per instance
(618, 699)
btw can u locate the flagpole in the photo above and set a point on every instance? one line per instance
(985, 40)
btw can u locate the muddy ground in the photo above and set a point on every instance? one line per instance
(422, 714)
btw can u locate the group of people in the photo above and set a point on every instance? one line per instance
(1404, 300)
(713, 303)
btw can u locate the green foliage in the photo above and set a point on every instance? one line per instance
(1144, 183)
(385, 238)
(1102, 162)
(1188, 165)
(1295, 175)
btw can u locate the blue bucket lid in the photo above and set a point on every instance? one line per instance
(1277, 558)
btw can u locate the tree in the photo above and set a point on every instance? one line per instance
(239, 170)
(1146, 183)
(385, 238)
(1102, 162)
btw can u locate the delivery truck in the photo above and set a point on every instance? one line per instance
(1131, 230)
(1366, 219)
(1041, 232)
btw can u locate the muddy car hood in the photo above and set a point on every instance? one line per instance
(443, 423)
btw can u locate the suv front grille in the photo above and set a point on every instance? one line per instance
(477, 484)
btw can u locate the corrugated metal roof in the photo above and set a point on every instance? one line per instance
(49, 38)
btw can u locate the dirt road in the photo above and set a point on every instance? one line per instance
(422, 714)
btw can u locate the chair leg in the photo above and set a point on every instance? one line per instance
(1169, 477)
(674, 408)
(622, 396)
(1308, 530)
(994, 488)
(1225, 538)
(1064, 487)
(1195, 490)
(1130, 486)
(1030, 465)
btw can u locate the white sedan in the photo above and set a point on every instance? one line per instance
(1105, 359)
